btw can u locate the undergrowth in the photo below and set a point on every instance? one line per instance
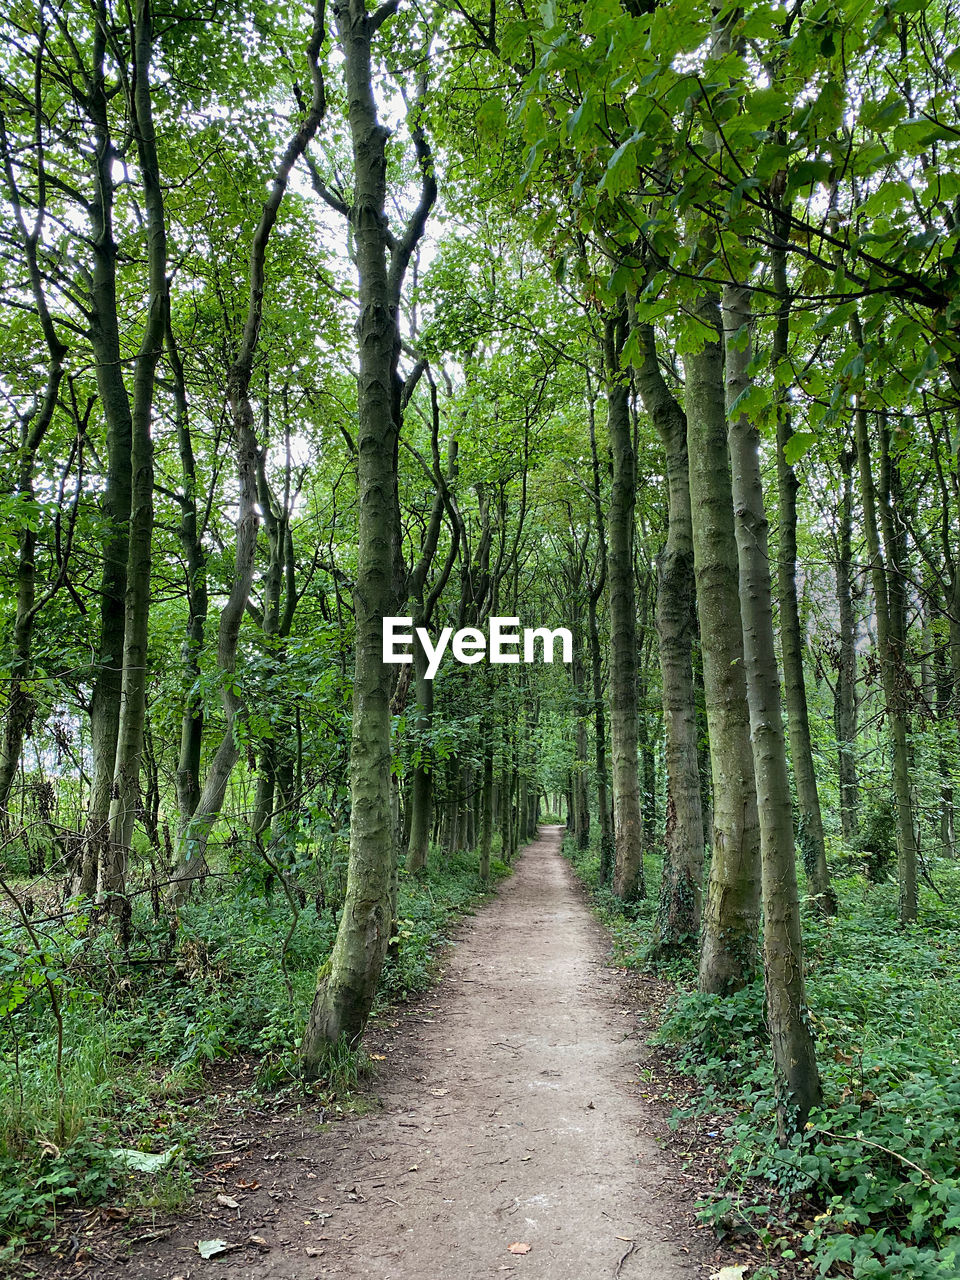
(872, 1188)
(139, 1026)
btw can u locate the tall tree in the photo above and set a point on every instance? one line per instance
(628, 878)
(348, 982)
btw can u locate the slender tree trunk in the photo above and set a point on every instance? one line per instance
(600, 738)
(191, 651)
(943, 700)
(888, 597)
(116, 500)
(421, 786)
(681, 888)
(605, 813)
(628, 880)
(845, 708)
(648, 764)
(486, 826)
(810, 832)
(126, 783)
(890, 500)
(728, 955)
(580, 782)
(798, 1080)
(33, 429)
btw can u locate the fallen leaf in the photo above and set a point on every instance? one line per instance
(210, 1248)
(730, 1273)
(379, 1057)
(252, 1186)
(311, 1252)
(228, 1202)
(50, 1148)
(518, 1247)
(258, 1241)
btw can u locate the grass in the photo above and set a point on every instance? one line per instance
(872, 1189)
(140, 1029)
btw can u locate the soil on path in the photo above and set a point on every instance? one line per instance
(510, 1115)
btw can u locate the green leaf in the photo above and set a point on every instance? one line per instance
(799, 444)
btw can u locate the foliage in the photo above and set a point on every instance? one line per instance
(144, 1026)
(873, 1184)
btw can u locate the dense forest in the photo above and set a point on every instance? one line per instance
(637, 319)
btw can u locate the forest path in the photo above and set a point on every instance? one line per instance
(510, 1115)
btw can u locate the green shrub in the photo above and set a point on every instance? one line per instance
(875, 1178)
(139, 1026)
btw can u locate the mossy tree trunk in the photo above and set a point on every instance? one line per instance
(596, 586)
(628, 882)
(888, 601)
(728, 955)
(681, 888)
(348, 981)
(845, 695)
(126, 796)
(788, 1020)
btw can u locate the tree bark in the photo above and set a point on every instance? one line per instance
(596, 662)
(887, 584)
(845, 705)
(125, 797)
(486, 825)
(797, 1077)
(34, 425)
(728, 955)
(810, 829)
(347, 982)
(628, 879)
(192, 716)
(889, 500)
(116, 500)
(681, 888)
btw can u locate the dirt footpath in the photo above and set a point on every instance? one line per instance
(510, 1117)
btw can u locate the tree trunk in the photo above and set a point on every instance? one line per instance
(126, 782)
(33, 428)
(728, 956)
(628, 879)
(486, 827)
(421, 786)
(348, 981)
(845, 705)
(191, 651)
(116, 500)
(810, 831)
(890, 500)
(888, 599)
(681, 888)
(596, 663)
(788, 1019)
(944, 702)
